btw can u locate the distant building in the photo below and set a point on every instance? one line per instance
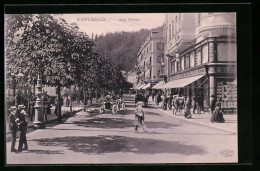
(131, 77)
(150, 56)
(200, 54)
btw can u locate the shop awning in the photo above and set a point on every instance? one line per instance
(181, 82)
(146, 86)
(156, 86)
(139, 86)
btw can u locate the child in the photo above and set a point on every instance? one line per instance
(139, 116)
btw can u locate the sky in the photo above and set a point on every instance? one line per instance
(109, 23)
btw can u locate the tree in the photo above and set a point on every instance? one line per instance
(42, 45)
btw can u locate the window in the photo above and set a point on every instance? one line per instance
(160, 46)
(170, 32)
(172, 66)
(182, 63)
(187, 61)
(159, 58)
(178, 66)
(205, 55)
(179, 22)
(158, 73)
(173, 28)
(192, 59)
(176, 21)
(198, 57)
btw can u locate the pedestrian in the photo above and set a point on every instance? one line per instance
(23, 129)
(139, 117)
(13, 121)
(174, 104)
(153, 95)
(31, 110)
(212, 103)
(170, 102)
(217, 115)
(180, 104)
(195, 103)
(187, 103)
(198, 104)
(162, 100)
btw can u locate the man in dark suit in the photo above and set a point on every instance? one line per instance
(13, 120)
(23, 129)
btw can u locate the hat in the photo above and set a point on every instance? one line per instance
(139, 103)
(21, 106)
(12, 108)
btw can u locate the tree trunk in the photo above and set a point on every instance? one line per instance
(84, 95)
(59, 104)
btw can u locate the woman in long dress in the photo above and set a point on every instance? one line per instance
(217, 115)
(187, 103)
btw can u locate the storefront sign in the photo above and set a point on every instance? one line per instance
(189, 74)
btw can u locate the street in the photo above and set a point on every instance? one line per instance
(89, 138)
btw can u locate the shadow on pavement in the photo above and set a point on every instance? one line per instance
(45, 152)
(110, 144)
(106, 123)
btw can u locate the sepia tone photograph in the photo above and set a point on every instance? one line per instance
(121, 88)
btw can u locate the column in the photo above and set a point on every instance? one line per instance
(212, 81)
(212, 68)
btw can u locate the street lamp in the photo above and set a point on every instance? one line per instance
(38, 120)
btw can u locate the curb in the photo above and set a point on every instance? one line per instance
(65, 115)
(196, 123)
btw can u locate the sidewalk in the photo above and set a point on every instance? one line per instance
(230, 124)
(53, 117)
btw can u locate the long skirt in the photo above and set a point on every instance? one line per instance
(217, 116)
(187, 113)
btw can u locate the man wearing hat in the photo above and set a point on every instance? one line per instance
(23, 129)
(13, 120)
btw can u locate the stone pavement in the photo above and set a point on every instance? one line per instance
(230, 124)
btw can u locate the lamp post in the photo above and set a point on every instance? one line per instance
(39, 119)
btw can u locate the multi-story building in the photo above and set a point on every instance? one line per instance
(150, 56)
(200, 55)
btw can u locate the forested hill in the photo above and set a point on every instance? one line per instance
(121, 47)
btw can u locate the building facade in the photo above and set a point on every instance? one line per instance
(200, 55)
(150, 56)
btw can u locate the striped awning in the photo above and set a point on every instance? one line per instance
(146, 86)
(180, 83)
(156, 86)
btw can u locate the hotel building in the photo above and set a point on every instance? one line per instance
(200, 56)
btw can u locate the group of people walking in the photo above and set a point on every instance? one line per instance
(179, 104)
(183, 105)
